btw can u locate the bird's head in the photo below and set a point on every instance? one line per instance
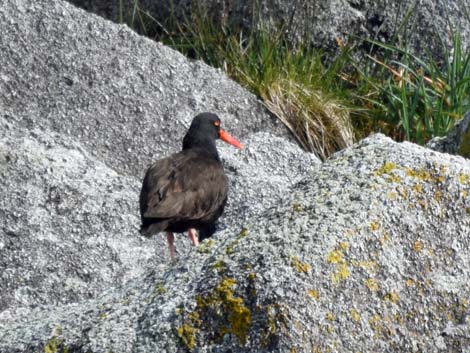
(206, 127)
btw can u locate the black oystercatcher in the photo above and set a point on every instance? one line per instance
(187, 191)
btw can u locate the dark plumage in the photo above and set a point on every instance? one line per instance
(187, 191)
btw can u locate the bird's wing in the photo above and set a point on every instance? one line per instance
(184, 188)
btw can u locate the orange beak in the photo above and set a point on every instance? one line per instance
(226, 137)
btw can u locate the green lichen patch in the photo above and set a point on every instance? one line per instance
(218, 312)
(243, 233)
(336, 258)
(188, 333)
(218, 266)
(387, 170)
(252, 283)
(103, 316)
(432, 176)
(355, 315)
(206, 246)
(330, 316)
(464, 179)
(55, 345)
(370, 266)
(239, 316)
(341, 273)
(419, 174)
(231, 248)
(160, 288)
(372, 284)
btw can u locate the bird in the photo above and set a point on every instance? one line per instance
(187, 191)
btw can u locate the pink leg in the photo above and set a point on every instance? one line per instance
(171, 239)
(193, 236)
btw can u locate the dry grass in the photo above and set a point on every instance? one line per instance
(319, 123)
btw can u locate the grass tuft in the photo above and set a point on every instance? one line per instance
(292, 80)
(412, 98)
(326, 103)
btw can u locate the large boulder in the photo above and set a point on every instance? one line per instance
(80, 120)
(367, 253)
(126, 98)
(320, 22)
(69, 223)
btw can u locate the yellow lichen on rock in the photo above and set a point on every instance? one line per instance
(206, 246)
(228, 313)
(464, 179)
(392, 297)
(314, 294)
(329, 316)
(418, 188)
(188, 334)
(370, 266)
(372, 284)
(420, 174)
(341, 274)
(335, 257)
(418, 246)
(301, 267)
(386, 168)
(355, 315)
(374, 226)
(223, 300)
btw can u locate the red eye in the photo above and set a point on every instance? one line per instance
(217, 123)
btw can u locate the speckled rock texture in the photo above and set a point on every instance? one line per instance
(368, 252)
(321, 21)
(457, 141)
(126, 98)
(365, 252)
(69, 223)
(76, 136)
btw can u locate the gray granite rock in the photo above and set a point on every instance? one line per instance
(68, 223)
(127, 99)
(368, 252)
(261, 175)
(365, 252)
(457, 141)
(322, 22)
(71, 172)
